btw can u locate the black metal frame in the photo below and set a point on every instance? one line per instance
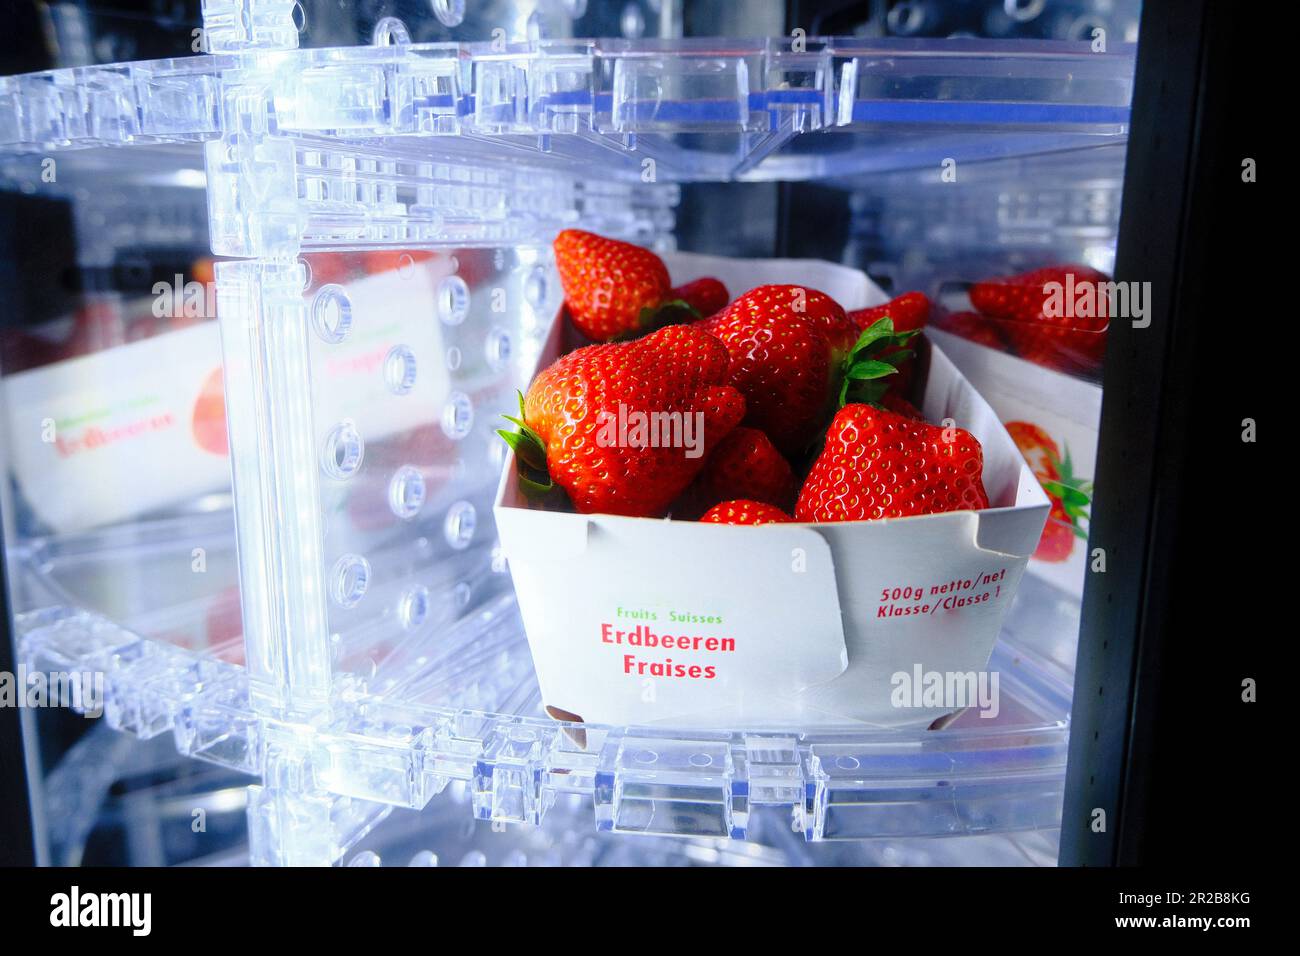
(17, 839)
(1162, 742)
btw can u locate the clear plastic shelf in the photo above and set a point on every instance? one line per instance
(464, 707)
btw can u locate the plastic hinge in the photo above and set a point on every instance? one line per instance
(507, 779)
(652, 784)
(236, 25)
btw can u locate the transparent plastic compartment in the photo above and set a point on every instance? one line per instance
(461, 706)
(646, 110)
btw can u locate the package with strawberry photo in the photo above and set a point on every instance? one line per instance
(749, 493)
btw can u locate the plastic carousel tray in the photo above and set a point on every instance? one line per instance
(663, 110)
(464, 705)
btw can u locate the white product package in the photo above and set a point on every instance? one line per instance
(118, 433)
(656, 622)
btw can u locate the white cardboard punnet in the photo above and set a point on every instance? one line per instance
(650, 621)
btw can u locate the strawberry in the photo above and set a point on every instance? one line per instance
(1057, 540)
(744, 465)
(624, 427)
(745, 512)
(1056, 316)
(609, 286)
(1026, 297)
(877, 464)
(785, 343)
(706, 296)
(909, 312)
(1069, 495)
(976, 328)
(1038, 448)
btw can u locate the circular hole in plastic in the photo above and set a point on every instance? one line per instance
(498, 348)
(536, 287)
(458, 416)
(399, 369)
(450, 13)
(349, 580)
(406, 492)
(331, 314)
(453, 300)
(847, 763)
(905, 18)
(306, 274)
(414, 609)
(390, 31)
(1022, 11)
(405, 265)
(1082, 28)
(453, 358)
(646, 756)
(343, 451)
(458, 526)
(700, 760)
(299, 18)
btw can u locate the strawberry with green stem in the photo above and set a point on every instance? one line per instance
(784, 342)
(593, 421)
(876, 355)
(1071, 497)
(615, 290)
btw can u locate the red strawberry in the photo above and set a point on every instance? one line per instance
(901, 406)
(706, 296)
(1069, 495)
(976, 328)
(745, 465)
(1038, 447)
(1056, 317)
(909, 311)
(745, 512)
(784, 342)
(1027, 296)
(625, 427)
(877, 464)
(608, 283)
(1057, 540)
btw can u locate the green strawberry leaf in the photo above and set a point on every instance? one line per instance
(527, 448)
(880, 329)
(867, 392)
(530, 454)
(869, 369)
(867, 361)
(535, 490)
(1069, 495)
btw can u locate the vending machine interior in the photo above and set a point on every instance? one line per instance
(273, 272)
